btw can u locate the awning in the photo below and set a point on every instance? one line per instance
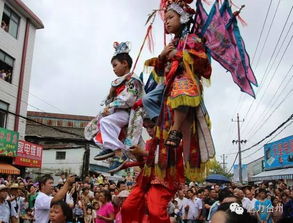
(274, 175)
(8, 169)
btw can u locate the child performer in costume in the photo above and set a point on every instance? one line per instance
(184, 64)
(106, 128)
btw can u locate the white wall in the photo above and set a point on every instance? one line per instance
(13, 47)
(71, 164)
(93, 152)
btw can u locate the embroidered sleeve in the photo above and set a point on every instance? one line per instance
(157, 68)
(128, 96)
(200, 61)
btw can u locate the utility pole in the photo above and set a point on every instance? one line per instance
(224, 163)
(86, 161)
(239, 142)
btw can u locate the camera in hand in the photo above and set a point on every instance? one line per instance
(77, 178)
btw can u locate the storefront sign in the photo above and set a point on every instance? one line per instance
(8, 142)
(279, 154)
(29, 154)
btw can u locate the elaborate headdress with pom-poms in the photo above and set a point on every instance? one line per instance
(179, 6)
(123, 47)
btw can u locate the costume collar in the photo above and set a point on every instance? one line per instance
(120, 80)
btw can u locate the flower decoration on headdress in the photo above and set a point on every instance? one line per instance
(179, 6)
(123, 47)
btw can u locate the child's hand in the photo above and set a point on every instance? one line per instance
(166, 51)
(106, 111)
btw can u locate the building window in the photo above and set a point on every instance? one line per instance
(60, 155)
(10, 21)
(6, 66)
(3, 114)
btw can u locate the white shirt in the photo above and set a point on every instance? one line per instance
(42, 207)
(195, 205)
(248, 204)
(69, 199)
(182, 203)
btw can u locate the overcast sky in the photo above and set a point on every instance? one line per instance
(71, 71)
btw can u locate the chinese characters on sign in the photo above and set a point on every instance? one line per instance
(267, 209)
(29, 154)
(279, 154)
(8, 142)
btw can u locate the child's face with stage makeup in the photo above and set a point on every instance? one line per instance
(120, 68)
(172, 22)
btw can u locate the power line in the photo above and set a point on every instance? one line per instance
(267, 36)
(265, 121)
(264, 46)
(29, 93)
(233, 163)
(262, 29)
(275, 48)
(290, 123)
(274, 73)
(269, 135)
(277, 43)
(52, 127)
(280, 126)
(21, 100)
(267, 68)
(271, 106)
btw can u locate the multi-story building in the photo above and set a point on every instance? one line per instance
(17, 36)
(255, 167)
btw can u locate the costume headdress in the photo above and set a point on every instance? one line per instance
(179, 6)
(123, 47)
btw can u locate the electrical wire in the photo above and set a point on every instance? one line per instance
(267, 70)
(21, 100)
(52, 127)
(269, 135)
(233, 162)
(29, 93)
(280, 126)
(265, 117)
(272, 103)
(290, 123)
(268, 34)
(272, 77)
(262, 29)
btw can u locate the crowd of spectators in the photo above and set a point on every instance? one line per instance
(95, 199)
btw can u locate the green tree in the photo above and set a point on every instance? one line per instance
(216, 168)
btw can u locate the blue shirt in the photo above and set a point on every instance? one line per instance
(264, 208)
(5, 213)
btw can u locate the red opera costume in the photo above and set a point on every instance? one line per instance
(184, 148)
(166, 167)
(151, 194)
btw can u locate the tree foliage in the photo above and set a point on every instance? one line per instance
(216, 168)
